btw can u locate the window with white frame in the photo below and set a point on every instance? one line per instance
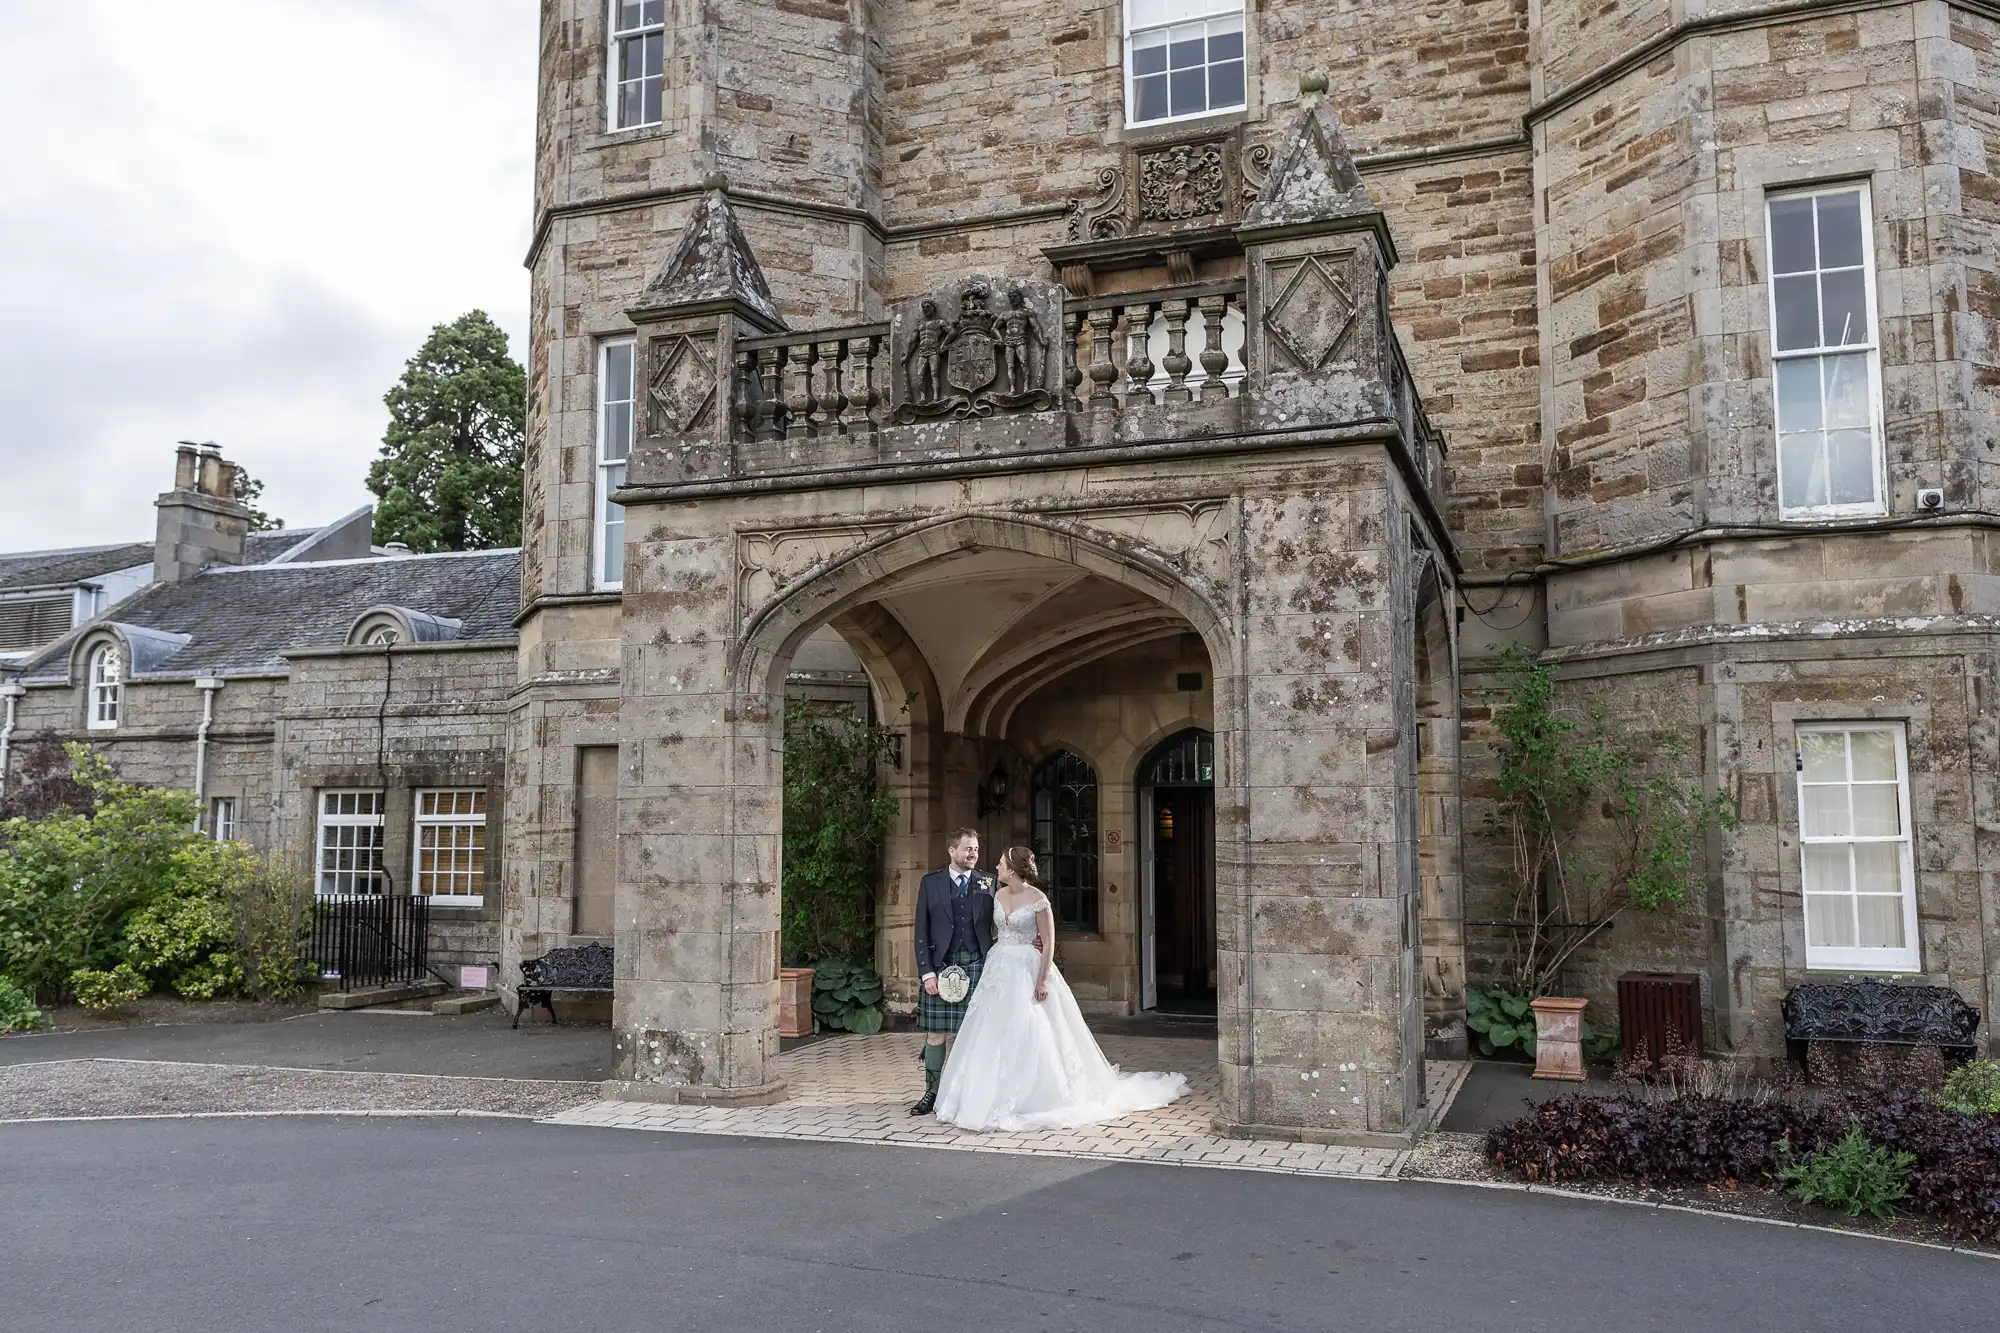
(105, 691)
(350, 843)
(614, 445)
(638, 56)
(1854, 842)
(222, 818)
(1183, 58)
(451, 846)
(1826, 364)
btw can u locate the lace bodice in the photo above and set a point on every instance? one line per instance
(1017, 926)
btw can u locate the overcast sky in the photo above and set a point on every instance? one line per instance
(234, 220)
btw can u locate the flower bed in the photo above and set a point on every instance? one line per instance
(1952, 1171)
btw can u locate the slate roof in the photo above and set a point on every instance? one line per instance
(261, 548)
(242, 620)
(37, 569)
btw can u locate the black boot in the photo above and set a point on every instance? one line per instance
(933, 1067)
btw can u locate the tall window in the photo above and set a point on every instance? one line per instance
(451, 846)
(638, 53)
(222, 818)
(1064, 801)
(1854, 836)
(1825, 361)
(105, 691)
(350, 843)
(1183, 58)
(614, 445)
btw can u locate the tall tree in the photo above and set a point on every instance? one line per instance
(247, 490)
(449, 478)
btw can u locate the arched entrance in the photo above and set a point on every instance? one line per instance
(1176, 784)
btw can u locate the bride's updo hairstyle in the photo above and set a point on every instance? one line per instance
(1021, 861)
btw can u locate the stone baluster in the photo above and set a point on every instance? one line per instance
(1213, 359)
(799, 402)
(1072, 374)
(859, 414)
(1138, 365)
(1176, 360)
(1102, 372)
(746, 392)
(828, 405)
(770, 404)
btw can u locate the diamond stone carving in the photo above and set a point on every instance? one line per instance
(1314, 314)
(681, 389)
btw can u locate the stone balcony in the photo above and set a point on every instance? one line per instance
(1283, 342)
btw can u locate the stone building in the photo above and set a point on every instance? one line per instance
(1654, 335)
(342, 704)
(1159, 413)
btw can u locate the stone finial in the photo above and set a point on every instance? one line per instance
(1312, 172)
(711, 264)
(715, 181)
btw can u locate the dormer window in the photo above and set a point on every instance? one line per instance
(638, 59)
(1183, 58)
(103, 693)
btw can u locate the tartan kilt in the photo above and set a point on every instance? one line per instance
(937, 1014)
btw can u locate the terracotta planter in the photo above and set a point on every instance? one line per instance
(1559, 1038)
(795, 1001)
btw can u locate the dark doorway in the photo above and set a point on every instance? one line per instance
(1178, 943)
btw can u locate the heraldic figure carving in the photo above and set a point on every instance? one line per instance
(980, 362)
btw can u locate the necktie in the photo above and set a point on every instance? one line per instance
(959, 881)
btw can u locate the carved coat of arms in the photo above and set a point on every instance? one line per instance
(979, 361)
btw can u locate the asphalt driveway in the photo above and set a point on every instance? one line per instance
(235, 1226)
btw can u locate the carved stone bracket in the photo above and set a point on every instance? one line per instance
(1202, 181)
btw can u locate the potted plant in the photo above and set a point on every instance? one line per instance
(1597, 822)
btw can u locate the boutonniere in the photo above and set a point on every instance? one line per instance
(984, 881)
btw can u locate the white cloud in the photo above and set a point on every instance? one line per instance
(234, 220)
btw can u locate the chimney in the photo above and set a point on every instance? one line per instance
(201, 522)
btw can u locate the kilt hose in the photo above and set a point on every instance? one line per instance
(937, 1014)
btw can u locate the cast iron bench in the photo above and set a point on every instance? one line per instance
(1878, 1013)
(585, 969)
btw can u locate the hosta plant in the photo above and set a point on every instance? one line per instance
(847, 996)
(1500, 1021)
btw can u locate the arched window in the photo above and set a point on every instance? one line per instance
(1064, 797)
(102, 695)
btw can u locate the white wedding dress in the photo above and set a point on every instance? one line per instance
(1020, 1063)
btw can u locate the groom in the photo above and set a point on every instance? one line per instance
(954, 925)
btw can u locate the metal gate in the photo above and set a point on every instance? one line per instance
(371, 939)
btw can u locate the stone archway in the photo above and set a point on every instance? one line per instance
(1301, 602)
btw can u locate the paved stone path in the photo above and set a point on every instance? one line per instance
(857, 1090)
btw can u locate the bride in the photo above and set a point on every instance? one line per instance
(1024, 1059)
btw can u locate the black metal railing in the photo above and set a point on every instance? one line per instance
(371, 939)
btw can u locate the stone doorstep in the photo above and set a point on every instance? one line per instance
(469, 1003)
(381, 995)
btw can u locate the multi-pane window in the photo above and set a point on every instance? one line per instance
(614, 445)
(350, 843)
(1183, 58)
(638, 54)
(104, 691)
(1825, 363)
(451, 846)
(222, 818)
(1064, 803)
(1854, 836)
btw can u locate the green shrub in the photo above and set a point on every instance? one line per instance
(17, 1009)
(97, 989)
(835, 818)
(1500, 1021)
(1853, 1175)
(186, 943)
(1973, 1087)
(847, 996)
(70, 882)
